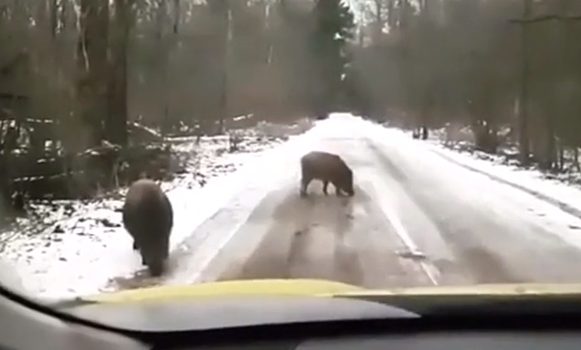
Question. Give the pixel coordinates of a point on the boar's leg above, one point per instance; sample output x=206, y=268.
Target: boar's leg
x=325, y=186
x=305, y=181
x=155, y=260
x=156, y=269
x=338, y=191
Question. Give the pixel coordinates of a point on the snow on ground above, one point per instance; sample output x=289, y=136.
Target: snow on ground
x=416, y=218
x=564, y=195
x=562, y=190
x=278, y=130
x=232, y=200
x=81, y=248
x=462, y=225
x=73, y=247
x=557, y=192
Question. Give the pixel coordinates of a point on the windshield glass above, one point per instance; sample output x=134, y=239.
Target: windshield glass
x=376, y=143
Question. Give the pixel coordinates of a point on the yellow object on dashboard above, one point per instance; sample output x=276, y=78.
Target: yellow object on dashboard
x=322, y=288
x=278, y=287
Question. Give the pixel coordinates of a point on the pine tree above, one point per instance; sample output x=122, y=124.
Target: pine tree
x=333, y=27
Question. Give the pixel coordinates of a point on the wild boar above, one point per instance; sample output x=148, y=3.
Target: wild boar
x=326, y=167
x=148, y=218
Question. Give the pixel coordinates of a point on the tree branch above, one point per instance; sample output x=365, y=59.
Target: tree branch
x=545, y=18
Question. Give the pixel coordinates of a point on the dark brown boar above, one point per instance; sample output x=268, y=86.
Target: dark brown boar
x=327, y=167
x=148, y=217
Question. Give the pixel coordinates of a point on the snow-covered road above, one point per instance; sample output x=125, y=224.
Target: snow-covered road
x=417, y=218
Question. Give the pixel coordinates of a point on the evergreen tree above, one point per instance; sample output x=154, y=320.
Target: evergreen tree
x=333, y=27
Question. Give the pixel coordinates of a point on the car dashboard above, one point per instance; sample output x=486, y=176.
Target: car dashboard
x=440, y=340
x=297, y=323
x=428, y=341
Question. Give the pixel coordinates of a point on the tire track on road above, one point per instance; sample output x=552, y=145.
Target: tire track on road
x=347, y=240
x=382, y=207
x=484, y=266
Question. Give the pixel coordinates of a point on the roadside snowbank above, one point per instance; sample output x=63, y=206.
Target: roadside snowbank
x=282, y=130
x=564, y=196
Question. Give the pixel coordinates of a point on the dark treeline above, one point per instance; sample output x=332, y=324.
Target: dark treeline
x=487, y=64
x=76, y=75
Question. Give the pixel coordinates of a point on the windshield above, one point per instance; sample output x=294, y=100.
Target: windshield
x=376, y=143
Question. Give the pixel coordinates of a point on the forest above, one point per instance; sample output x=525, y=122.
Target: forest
x=90, y=90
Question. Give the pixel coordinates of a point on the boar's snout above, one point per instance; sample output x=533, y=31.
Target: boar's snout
x=349, y=191
x=348, y=186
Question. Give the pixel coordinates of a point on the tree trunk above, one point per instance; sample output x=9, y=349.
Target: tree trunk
x=53, y=17
x=225, y=39
x=524, y=88
x=92, y=82
x=116, y=123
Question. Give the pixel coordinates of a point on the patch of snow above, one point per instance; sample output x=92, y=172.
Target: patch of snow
x=562, y=195
x=501, y=167
x=238, y=195
x=281, y=130
x=562, y=201
x=68, y=248
x=561, y=190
